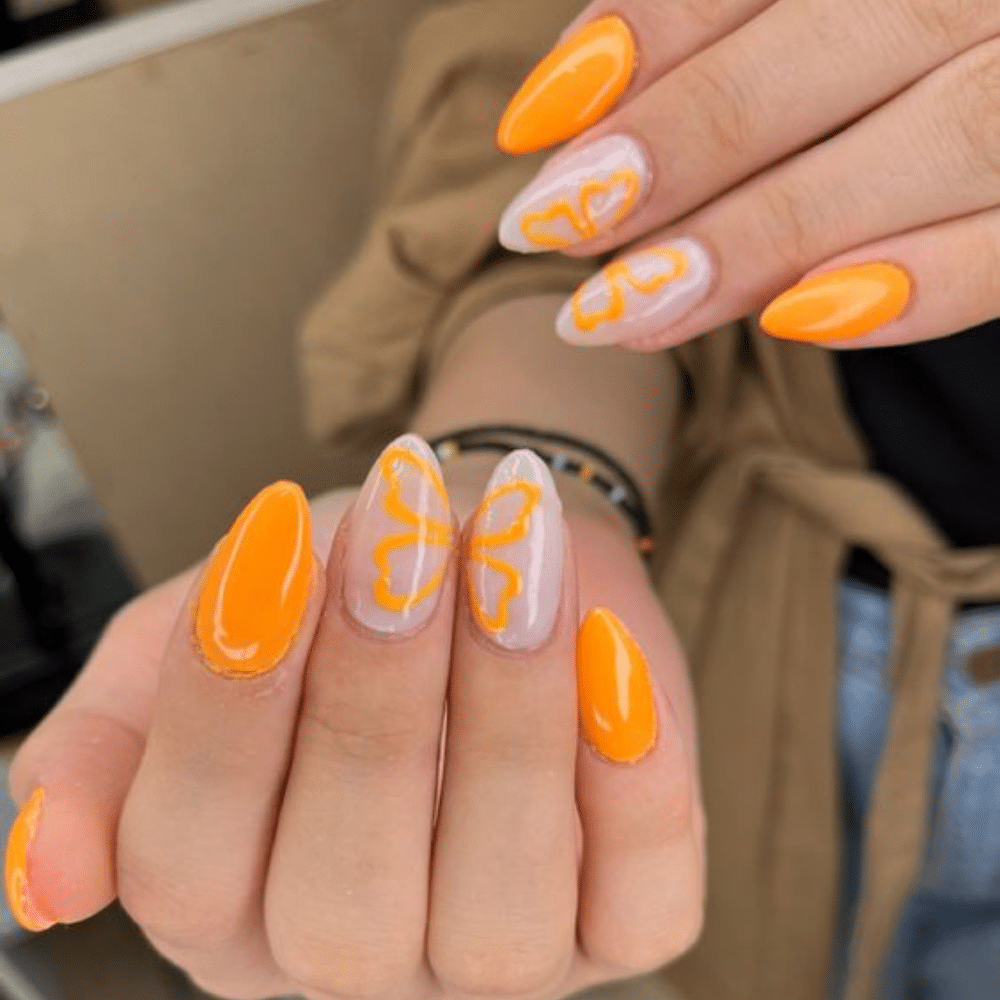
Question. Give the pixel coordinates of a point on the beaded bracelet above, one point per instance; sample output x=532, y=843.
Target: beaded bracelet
x=601, y=471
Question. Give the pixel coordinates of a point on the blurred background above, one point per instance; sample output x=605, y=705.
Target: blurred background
x=178, y=180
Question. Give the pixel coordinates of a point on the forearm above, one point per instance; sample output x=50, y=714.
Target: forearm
x=509, y=367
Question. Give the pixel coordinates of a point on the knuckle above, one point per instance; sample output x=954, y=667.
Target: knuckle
x=349, y=970
x=725, y=106
x=632, y=954
x=524, y=968
x=950, y=23
x=379, y=739
x=974, y=103
x=174, y=915
x=786, y=221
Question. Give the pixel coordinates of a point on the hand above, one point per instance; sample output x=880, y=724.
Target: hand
x=747, y=143
x=255, y=759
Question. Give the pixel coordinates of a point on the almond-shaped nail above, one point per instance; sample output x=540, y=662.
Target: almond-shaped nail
x=399, y=541
x=17, y=867
x=572, y=88
x=839, y=305
x=514, y=554
x=257, y=585
x=638, y=295
x=580, y=197
x=617, y=707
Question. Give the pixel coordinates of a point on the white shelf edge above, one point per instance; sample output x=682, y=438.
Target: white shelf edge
x=113, y=43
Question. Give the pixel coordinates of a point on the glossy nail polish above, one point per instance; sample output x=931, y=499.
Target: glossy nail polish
x=400, y=540
x=514, y=554
x=617, y=708
x=257, y=584
x=582, y=196
x=17, y=866
x=572, y=88
x=839, y=305
x=638, y=295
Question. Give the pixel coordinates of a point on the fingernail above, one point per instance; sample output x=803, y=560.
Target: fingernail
x=399, y=541
x=572, y=88
x=16, y=869
x=617, y=708
x=584, y=195
x=514, y=558
x=257, y=585
x=839, y=305
x=638, y=295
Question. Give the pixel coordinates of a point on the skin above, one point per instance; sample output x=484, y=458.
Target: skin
x=278, y=834
x=797, y=138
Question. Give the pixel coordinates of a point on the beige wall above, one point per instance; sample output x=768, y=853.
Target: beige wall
x=162, y=227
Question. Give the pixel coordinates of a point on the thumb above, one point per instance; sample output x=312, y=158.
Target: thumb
x=72, y=774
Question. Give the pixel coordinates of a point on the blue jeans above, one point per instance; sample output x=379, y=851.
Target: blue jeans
x=948, y=942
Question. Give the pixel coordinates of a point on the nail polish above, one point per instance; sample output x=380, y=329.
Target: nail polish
x=257, y=585
x=581, y=196
x=617, y=708
x=572, y=88
x=514, y=554
x=638, y=295
x=839, y=305
x=16, y=867
x=399, y=541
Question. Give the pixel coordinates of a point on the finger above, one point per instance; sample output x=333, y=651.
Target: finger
x=196, y=830
x=346, y=898
x=729, y=112
x=642, y=890
x=919, y=286
x=927, y=156
x=609, y=51
x=72, y=773
x=503, y=904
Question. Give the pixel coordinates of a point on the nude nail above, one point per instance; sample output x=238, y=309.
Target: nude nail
x=23, y=904
x=400, y=540
x=514, y=555
x=579, y=197
x=639, y=295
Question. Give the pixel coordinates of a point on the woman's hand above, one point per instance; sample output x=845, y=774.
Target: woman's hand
x=256, y=759
x=748, y=143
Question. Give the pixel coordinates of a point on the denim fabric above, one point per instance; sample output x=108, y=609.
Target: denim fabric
x=948, y=941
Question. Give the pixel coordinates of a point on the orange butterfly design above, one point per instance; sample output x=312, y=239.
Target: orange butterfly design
x=617, y=275
x=582, y=220
x=423, y=530
x=481, y=547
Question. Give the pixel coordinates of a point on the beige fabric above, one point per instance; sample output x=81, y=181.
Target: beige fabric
x=768, y=489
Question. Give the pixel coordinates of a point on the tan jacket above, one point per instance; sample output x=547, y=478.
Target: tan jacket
x=768, y=489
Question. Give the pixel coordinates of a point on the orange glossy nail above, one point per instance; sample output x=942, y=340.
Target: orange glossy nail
x=572, y=88
x=22, y=904
x=839, y=305
x=617, y=709
x=257, y=585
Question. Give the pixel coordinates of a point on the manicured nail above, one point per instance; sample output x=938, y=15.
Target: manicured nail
x=617, y=708
x=16, y=869
x=514, y=559
x=839, y=305
x=400, y=540
x=582, y=196
x=572, y=88
x=638, y=295
x=257, y=585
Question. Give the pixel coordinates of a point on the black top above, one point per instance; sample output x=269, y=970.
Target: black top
x=931, y=415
